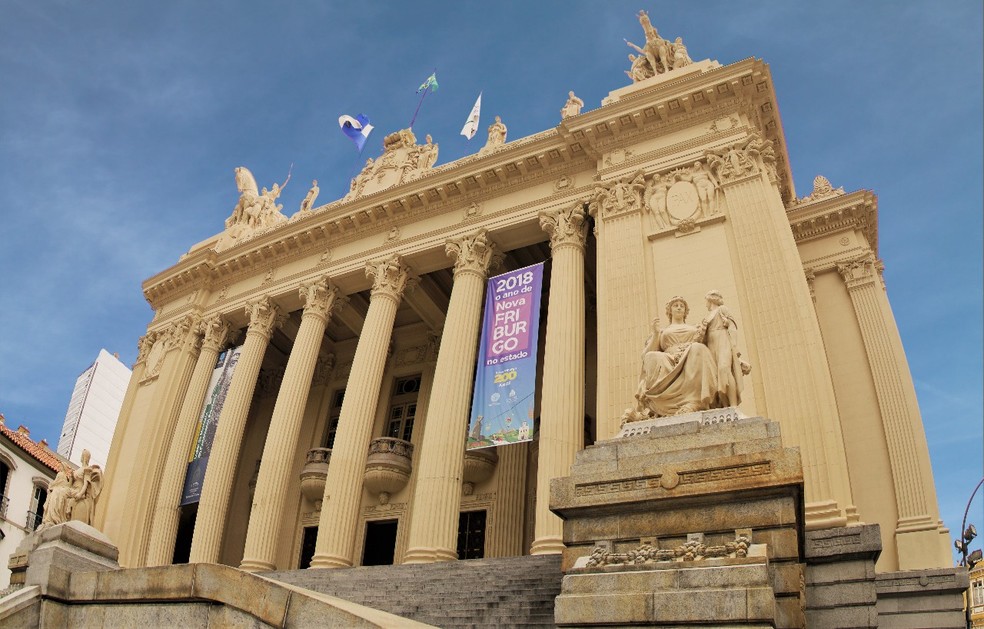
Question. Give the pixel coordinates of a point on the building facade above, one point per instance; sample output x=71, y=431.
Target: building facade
x=94, y=409
x=27, y=468
x=341, y=435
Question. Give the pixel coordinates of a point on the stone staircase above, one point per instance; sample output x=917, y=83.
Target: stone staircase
x=509, y=592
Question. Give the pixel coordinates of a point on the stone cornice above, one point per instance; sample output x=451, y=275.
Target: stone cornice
x=576, y=144
x=856, y=210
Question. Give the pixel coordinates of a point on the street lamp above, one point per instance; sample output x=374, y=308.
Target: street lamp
x=970, y=558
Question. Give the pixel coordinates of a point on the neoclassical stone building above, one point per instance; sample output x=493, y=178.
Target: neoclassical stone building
x=341, y=440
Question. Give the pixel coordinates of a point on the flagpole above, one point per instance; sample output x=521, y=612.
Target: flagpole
x=427, y=89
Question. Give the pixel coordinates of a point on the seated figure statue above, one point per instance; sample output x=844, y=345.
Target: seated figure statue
x=679, y=374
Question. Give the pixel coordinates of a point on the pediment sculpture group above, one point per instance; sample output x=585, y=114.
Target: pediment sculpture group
x=688, y=368
x=72, y=495
x=657, y=55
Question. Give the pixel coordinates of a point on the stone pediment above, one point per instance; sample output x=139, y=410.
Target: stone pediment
x=402, y=160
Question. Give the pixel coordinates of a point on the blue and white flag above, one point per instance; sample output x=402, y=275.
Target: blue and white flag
x=357, y=129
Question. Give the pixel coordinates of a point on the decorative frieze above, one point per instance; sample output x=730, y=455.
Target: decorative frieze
x=694, y=549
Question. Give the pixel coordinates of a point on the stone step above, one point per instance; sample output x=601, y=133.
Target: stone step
x=507, y=592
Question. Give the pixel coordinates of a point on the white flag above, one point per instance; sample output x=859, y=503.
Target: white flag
x=471, y=125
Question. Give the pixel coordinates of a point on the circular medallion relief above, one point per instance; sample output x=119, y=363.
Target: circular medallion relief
x=682, y=200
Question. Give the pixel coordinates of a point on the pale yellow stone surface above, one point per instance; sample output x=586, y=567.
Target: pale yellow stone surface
x=689, y=187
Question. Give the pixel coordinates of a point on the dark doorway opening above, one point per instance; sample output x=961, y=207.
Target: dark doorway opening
x=471, y=535
x=380, y=543
x=307, y=546
x=186, y=529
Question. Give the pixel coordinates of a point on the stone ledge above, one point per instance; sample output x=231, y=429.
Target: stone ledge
x=843, y=544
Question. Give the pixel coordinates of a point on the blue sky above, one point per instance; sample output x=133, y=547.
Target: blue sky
x=121, y=124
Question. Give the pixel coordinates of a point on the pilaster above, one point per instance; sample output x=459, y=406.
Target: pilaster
x=562, y=399
x=266, y=527
x=264, y=317
x=437, y=494
x=181, y=347
x=343, y=485
x=792, y=363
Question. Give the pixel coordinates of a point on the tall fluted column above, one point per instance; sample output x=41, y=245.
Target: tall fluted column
x=166, y=513
x=505, y=539
x=437, y=495
x=916, y=534
x=206, y=545
x=562, y=400
x=265, y=519
x=343, y=485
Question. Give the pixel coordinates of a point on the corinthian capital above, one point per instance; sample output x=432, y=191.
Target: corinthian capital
x=747, y=157
x=859, y=271
x=216, y=332
x=567, y=228
x=473, y=253
x=390, y=277
x=183, y=333
x=144, y=345
x=319, y=298
x=264, y=316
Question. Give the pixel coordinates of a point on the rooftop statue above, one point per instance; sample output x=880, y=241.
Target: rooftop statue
x=657, y=55
x=687, y=368
x=402, y=160
x=572, y=107
x=497, y=136
x=254, y=211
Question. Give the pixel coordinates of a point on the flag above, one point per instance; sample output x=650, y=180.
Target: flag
x=471, y=125
x=431, y=82
x=357, y=129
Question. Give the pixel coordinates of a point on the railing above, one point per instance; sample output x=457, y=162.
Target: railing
x=33, y=520
x=4, y=501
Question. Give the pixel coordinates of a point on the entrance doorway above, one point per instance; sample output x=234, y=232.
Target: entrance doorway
x=307, y=546
x=471, y=535
x=186, y=529
x=380, y=543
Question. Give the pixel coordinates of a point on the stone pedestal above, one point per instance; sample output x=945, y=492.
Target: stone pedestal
x=659, y=514
x=51, y=555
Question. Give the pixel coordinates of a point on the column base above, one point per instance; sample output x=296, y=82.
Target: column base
x=550, y=545
x=330, y=561
x=256, y=565
x=824, y=515
x=917, y=540
x=429, y=555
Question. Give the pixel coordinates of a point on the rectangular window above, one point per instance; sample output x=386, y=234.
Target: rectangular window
x=332, y=427
x=403, y=408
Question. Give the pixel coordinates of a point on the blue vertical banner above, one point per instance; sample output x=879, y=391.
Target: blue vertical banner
x=505, y=380
x=208, y=420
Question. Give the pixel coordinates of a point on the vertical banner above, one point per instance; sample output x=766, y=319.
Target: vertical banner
x=505, y=380
x=218, y=387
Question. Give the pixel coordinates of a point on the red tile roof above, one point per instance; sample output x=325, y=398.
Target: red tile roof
x=38, y=450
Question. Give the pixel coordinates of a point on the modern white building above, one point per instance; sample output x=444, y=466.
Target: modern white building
x=94, y=409
x=26, y=469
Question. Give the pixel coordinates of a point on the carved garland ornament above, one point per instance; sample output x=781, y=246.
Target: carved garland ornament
x=694, y=549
